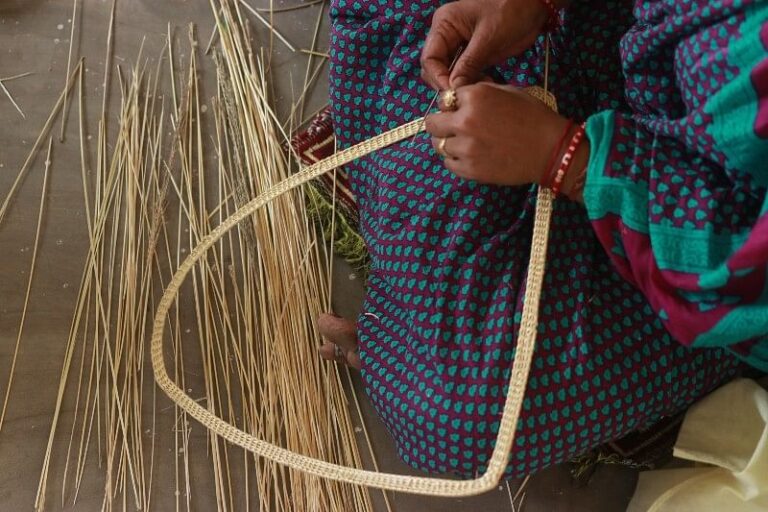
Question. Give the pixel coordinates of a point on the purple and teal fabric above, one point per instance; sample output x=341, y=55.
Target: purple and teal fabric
x=631, y=324
x=676, y=188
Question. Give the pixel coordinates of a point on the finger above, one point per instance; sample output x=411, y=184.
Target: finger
x=486, y=79
x=328, y=351
x=457, y=148
x=353, y=360
x=442, y=124
x=442, y=43
x=434, y=71
x=475, y=58
x=446, y=150
x=338, y=330
x=457, y=167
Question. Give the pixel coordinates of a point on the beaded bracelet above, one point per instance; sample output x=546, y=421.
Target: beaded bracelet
x=553, y=20
x=567, y=160
x=557, y=150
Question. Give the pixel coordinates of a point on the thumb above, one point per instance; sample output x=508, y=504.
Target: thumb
x=475, y=58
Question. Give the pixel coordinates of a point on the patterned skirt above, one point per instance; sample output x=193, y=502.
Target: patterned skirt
x=449, y=261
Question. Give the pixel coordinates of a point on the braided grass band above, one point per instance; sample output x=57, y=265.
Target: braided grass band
x=417, y=485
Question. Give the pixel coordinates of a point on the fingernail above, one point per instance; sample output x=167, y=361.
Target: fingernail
x=460, y=81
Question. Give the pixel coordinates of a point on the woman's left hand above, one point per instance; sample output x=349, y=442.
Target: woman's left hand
x=497, y=134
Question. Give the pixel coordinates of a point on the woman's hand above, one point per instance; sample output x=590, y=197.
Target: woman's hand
x=498, y=135
x=492, y=30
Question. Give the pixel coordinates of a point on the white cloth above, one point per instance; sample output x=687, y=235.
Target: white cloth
x=728, y=433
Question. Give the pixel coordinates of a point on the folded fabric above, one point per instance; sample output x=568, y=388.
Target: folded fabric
x=330, y=199
x=727, y=432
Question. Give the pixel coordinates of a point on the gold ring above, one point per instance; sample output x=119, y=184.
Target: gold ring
x=450, y=100
x=441, y=148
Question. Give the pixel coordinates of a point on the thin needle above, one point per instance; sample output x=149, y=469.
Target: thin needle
x=437, y=93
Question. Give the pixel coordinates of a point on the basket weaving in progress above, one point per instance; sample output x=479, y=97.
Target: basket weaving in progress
x=417, y=485
x=378, y=254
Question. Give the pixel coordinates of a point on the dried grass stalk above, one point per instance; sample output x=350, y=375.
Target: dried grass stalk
x=248, y=317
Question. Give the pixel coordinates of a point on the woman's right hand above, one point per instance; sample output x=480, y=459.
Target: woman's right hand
x=491, y=30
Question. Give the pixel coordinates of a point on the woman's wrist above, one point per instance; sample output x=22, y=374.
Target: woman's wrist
x=573, y=185
x=556, y=140
x=568, y=155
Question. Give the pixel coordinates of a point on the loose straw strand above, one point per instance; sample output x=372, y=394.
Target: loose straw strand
x=30, y=280
x=46, y=128
x=69, y=65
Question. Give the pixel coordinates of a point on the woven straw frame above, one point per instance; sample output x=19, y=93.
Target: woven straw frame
x=393, y=482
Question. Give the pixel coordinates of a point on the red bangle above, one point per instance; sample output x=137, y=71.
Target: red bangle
x=550, y=169
x=553, y=20
x=567, y=160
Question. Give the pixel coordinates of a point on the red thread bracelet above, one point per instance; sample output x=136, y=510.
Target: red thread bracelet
x=567, y=160
x=553, y=20
x=578, y=185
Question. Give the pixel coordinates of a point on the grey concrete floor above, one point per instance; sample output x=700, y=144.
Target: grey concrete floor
x=34, y=37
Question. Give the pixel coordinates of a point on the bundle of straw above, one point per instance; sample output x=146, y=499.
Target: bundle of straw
x=124, y=216
x=295, y=400
x=245, y=320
